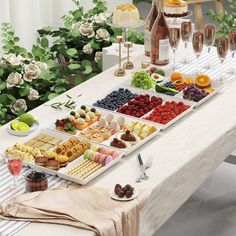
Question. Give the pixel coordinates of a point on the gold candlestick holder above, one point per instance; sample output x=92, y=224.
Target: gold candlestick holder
x=120, y=71
x=128, y=65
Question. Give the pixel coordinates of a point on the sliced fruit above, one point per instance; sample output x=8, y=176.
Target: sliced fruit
x=178, y=82
x=27, y=118
x=209, y=90
x=176, y=76
x=162, y=89
x=188, y=81
x=15, y=124
x=23, y=127
x=160, y=72
x=203, y=81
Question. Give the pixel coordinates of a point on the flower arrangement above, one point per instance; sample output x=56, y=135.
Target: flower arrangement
x=24, y=82
x=79, y=44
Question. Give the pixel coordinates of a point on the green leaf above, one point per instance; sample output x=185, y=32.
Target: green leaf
x=24, y=90
x=87, y=67
x=6, y=99
x=74, y=66
x=1, y=71
x=60, y=89
x=78, y=80
x=75, y=32
x=2, y=85
x=71, y=51
x=52, y=95
x=46, y=75
x=44, y=42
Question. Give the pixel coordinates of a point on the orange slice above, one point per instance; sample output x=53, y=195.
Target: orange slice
x=176, y=76
x=188, y=81
x=178, y=82
x=209, y=90
x=203, y=81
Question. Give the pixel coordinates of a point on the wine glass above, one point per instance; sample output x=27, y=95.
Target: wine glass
x=174, y=37
x=14, y=166
x=209, y=40
x=222, y=50
x=198, y=38
x=186, y=31
x=232, y=47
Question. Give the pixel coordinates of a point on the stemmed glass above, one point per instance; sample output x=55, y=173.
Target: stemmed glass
x=222, y=50
x=186, y=31
x=232, y=47
x=197, y=47
x=209, y=40
x=174, y=37
x=14, y=166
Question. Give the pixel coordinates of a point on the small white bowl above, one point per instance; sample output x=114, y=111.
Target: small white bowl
x=17, y=133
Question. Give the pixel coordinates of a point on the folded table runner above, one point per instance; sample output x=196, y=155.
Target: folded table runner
x=89, y=208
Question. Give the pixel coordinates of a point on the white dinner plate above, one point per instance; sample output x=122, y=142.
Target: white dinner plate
x=124, y=199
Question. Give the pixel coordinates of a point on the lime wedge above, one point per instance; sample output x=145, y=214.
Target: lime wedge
x=162, y=89
x=14, y=125
x=23, y=127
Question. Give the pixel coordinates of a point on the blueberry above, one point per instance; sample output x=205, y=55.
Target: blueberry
x=72, y=113
x=83, y=107
x=83, y=115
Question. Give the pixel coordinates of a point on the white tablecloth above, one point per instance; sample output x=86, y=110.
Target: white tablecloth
x=185, y=154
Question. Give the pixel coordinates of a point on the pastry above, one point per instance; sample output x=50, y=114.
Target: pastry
x=118, y=143
x=53, y=165
x=128, y=137
x=84, y=169
x=41, y=161
x=175, y=8
x=50, y=155
x=81, y=123
x=126, y=16
x=62, y=159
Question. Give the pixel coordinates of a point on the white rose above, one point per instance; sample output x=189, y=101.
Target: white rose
x=41, y=65
x=14, y=79
x=98, y=56
x=86, y=29
x=19, y=104
x=33, y=95
x=87, y=49
x=13, y=59
x=32, y=71
x=103, y=34
x=76, y=25
x=100, y=18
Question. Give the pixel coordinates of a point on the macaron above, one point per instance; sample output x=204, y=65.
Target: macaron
x=107, y=160
x=88, y=154
x=99, y=157
x=94, y=147
x=41, y=161
x=50, y=155
x=53, y=165
x=114, y=154
x=62, y=159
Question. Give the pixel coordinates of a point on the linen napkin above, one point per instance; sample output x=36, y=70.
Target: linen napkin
x=89, y=208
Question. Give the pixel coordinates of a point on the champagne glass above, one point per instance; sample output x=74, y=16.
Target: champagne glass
x=14, y=166
x=174, y=37
x=232, y=47
x=209, y=40
x=186, y=31
x=197, y=47
x=222, y=50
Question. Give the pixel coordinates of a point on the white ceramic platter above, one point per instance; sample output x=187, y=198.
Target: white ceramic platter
x=124, y=199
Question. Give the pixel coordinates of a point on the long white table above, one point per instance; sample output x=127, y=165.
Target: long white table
x=185, y=154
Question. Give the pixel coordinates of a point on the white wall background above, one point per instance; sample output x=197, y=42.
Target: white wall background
x=26, y=16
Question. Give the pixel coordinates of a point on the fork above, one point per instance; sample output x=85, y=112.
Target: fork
x=143, y=175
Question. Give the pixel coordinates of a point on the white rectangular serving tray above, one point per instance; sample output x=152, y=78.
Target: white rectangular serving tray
x=216, y=84
x=128, y=119
x=163, y=96
x=62, y=172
